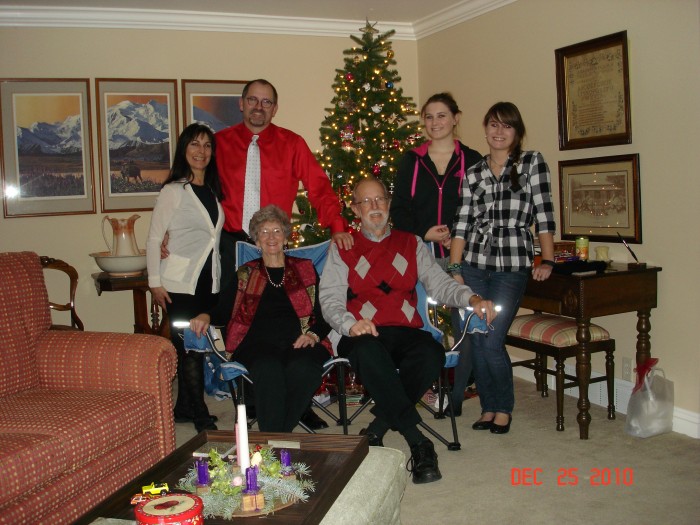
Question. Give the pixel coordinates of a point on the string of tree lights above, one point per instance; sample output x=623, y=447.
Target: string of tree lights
x=365, y=133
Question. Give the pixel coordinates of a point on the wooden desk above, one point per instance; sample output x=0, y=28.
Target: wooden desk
x=616, y=291
x=158, y=324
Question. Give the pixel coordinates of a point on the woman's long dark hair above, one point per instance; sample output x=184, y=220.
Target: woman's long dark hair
x=508, y=113
x=181, y=168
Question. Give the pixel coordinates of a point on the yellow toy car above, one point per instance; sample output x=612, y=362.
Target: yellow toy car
x=155, y=489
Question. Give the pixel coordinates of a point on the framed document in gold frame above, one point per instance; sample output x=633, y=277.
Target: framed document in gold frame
x=593, y=93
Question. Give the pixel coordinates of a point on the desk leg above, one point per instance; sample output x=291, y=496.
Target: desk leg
x=583, y=375
x=643, y=339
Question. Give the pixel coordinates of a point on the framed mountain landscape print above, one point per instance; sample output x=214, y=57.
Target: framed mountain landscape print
x=137, y=130
x=45, y=147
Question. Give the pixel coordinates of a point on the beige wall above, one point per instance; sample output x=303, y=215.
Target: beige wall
x=504, y=55
x=508, y=54
x=302, y=69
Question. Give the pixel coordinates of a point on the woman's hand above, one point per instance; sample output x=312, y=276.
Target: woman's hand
x=542, y=272
x=363, y=327
x=161, y=297
x=304, y=340
x=200, y=324
x=438, y=233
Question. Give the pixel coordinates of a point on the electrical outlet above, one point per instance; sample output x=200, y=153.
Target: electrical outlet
x=627, y=369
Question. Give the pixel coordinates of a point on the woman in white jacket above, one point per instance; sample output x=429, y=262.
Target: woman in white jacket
x=186, y=282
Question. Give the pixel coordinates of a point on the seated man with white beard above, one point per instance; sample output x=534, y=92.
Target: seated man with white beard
x=368, y=295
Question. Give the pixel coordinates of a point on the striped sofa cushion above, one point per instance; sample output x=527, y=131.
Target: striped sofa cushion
x=552, y=330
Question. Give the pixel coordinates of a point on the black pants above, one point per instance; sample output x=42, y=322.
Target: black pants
x=418, y=358
x=190, y=365
x=284, y=381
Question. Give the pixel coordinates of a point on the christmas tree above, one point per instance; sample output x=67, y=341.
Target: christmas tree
x=365, y=133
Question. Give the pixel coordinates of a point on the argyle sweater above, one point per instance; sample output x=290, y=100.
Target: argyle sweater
x=382, y=279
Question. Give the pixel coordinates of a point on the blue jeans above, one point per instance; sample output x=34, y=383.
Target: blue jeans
x=492, y=369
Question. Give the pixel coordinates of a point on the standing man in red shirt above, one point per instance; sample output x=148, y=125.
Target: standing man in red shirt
x=260, y=163
x=285, y=160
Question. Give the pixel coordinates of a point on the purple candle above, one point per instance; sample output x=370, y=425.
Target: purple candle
x=202, y=472
x=285, y=459
x=251, y=478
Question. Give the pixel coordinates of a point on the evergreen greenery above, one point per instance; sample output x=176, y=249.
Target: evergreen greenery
x=365, y=133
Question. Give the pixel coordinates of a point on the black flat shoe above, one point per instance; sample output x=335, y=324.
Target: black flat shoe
x=312, y=420
x=483, y=425
x=501, y=429
x=374, y=439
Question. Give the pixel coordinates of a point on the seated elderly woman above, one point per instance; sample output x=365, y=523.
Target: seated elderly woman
x=274, y=325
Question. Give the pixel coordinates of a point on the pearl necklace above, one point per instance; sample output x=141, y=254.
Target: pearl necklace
x=269, y=279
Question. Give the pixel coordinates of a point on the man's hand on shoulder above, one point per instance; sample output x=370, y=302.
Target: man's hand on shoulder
x=164, y=252
x=343, y=239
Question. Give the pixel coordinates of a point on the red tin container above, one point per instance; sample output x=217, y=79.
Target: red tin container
x=183, y=509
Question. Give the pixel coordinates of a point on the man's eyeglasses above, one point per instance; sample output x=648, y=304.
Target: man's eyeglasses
x=367, y=202
x=254, y=101
x=276, y=232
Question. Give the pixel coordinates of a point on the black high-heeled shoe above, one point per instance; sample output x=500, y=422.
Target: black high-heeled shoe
x=501, y=429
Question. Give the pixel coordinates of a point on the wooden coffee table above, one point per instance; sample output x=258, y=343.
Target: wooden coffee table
x=332, y=458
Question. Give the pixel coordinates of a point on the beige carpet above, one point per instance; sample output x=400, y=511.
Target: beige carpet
x=640, y=481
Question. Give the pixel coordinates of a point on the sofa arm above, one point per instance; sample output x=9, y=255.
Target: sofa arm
x=112, y=361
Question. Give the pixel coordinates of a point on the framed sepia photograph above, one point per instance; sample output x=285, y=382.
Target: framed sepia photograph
x=593, y=93
x=45, y=146
x=212, y=102
x=137, y=130
x=600, y=198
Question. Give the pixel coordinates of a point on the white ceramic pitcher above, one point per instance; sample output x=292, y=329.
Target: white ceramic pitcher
x=123, y=238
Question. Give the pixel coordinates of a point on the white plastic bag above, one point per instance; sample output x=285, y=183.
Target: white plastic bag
x=650, y=409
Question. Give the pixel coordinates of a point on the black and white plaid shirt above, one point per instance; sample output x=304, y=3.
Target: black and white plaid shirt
x=495, y=221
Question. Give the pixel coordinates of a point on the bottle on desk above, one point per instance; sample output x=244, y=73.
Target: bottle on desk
x=582, y=247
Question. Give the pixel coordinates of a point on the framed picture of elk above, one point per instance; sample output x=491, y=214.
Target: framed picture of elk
x=46, y=147
x=137, y=130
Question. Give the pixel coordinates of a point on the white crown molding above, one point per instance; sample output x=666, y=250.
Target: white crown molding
x=29, y=16
x=15, y=16
x=454, y=15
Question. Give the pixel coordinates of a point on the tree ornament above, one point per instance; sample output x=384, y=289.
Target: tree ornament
x=347, y=145
x=395, y=144
x=349, y=77
x=389, y=85
x=377, y=108
x=376, y=170
x=390, y=54
x=366, y=86
x=357, y=59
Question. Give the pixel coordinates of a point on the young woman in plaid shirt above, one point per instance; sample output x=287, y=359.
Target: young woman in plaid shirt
x=493, y=248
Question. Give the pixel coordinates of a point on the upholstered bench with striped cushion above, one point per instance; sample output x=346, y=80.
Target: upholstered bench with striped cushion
x=555, y=336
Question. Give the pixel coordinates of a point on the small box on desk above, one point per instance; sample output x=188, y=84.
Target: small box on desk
x=564, y=251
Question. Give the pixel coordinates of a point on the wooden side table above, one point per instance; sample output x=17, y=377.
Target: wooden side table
x=158, y=325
